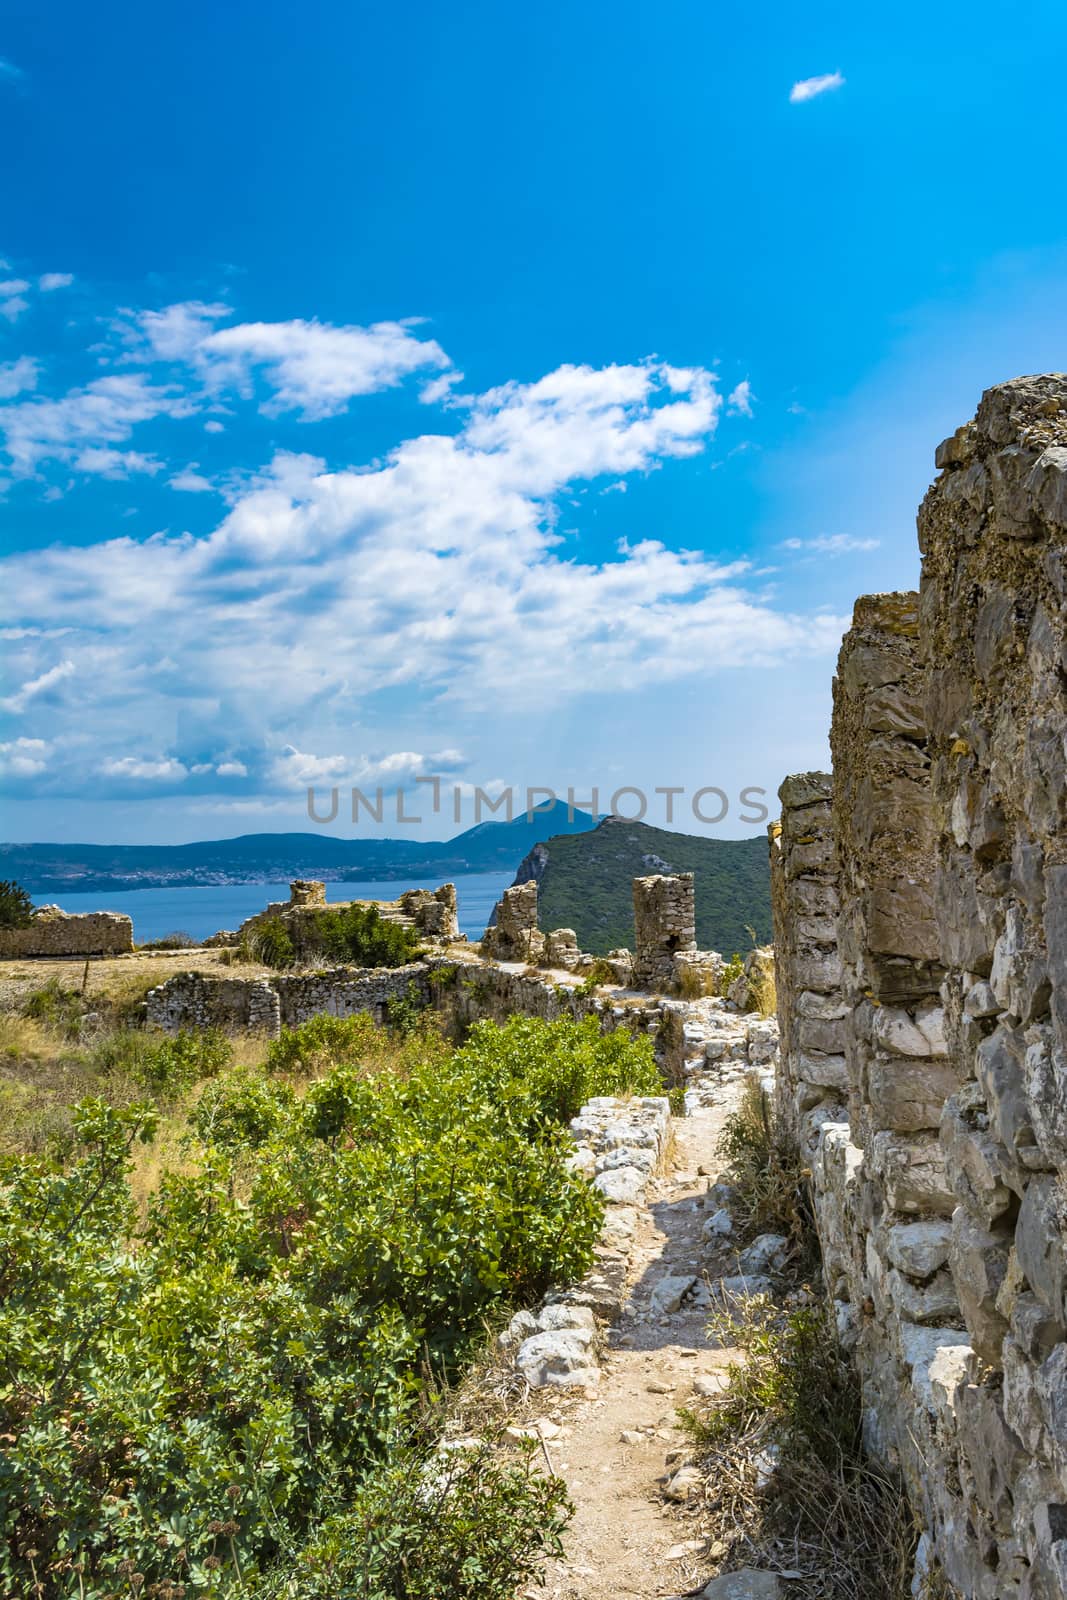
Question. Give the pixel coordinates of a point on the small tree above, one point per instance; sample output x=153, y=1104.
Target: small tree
x=16, y=907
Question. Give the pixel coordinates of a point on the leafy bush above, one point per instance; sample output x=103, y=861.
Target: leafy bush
x=462, y=1527
x=320, y=1043
x=734, y=969
x=361, y=935
x=270, y=944
x=219, y=1392
x=16, y=907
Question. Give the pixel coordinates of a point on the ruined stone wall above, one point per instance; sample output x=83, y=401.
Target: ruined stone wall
x=664, y=924
x=941, y=1192
x=810, y=1085
x=513, y=934
x=52, y=932
x=465, y=990
x=266, y=1005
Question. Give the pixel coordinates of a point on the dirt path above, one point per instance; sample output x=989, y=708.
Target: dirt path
x=614, y=1450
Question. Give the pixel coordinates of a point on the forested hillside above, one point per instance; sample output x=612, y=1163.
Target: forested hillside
x=584, y=883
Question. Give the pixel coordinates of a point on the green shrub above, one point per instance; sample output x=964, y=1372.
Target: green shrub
x=16, y=907
x=462, y=1527
x=733, y=969
x=174, y=1063
x=360, y=935
x=218, y=1394
x=320, y=1043
x=269, y=943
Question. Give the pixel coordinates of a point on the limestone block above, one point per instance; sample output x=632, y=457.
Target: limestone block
x=918, y=1248
x=1040, y=1236
x=912, y=1171
x=939, y=1362
x=978, y=1258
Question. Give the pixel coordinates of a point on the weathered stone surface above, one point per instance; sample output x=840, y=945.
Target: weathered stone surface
x=664, y=925
x=749, y=1584
x=52, y=932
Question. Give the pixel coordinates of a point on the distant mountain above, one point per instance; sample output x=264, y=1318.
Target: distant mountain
x=274, y=857
x=584, y=882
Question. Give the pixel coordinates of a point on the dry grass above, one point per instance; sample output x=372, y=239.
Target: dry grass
x=788, y=1484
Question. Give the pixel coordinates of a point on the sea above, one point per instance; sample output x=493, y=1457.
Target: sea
x=202, y=911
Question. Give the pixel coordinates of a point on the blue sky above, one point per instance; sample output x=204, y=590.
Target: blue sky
x=522, y=395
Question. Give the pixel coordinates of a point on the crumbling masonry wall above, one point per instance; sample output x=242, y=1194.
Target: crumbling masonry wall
x=810, y=1084
x=664, y=925
x=52, y=932
x=942, y=1193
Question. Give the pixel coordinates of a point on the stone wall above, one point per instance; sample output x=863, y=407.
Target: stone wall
x=664, y=924
x=513, y=934
x=941, y=1190
x=811, y=1085
x=464, y=989
x=432, y=913
x=52, y=932
x=266, y=1005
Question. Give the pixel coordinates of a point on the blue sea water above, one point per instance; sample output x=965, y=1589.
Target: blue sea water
x=201, y=912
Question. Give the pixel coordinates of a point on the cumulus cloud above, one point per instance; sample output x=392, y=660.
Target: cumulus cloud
x=190, y=481
x=104, y=462
x=137, y=769
x=16, y=377
x=314, y=368
x=24, y=758
x=34, y=687
x=13, y=300
x=832, y=544
x=49, y=281
x=739, y=400
x=232, y=769
x=809, y=88
x=440, y=568
x=103, y=413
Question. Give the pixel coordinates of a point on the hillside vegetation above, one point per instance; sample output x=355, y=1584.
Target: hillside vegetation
x=221, y=1372
x=584, y=883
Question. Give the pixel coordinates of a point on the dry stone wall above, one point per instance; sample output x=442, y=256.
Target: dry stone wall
x=664, y=925
x=811, y=1084
x=52, y=932
x=941, y=1175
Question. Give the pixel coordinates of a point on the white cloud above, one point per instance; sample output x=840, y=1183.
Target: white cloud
x=191, y=481
x=232, y=769
x=104, y=413
x=212, y=426
x=808, y=88
x=16, y=377
x=24, y=758
x=138, y=770
x=18, y=701
x=315, y=368
x=103, y=462
x=439, y=571
x=173, y=334
x=440, y=389
x=12, y=298
x=54, y=280
x=832, y=544
x=739, y=400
